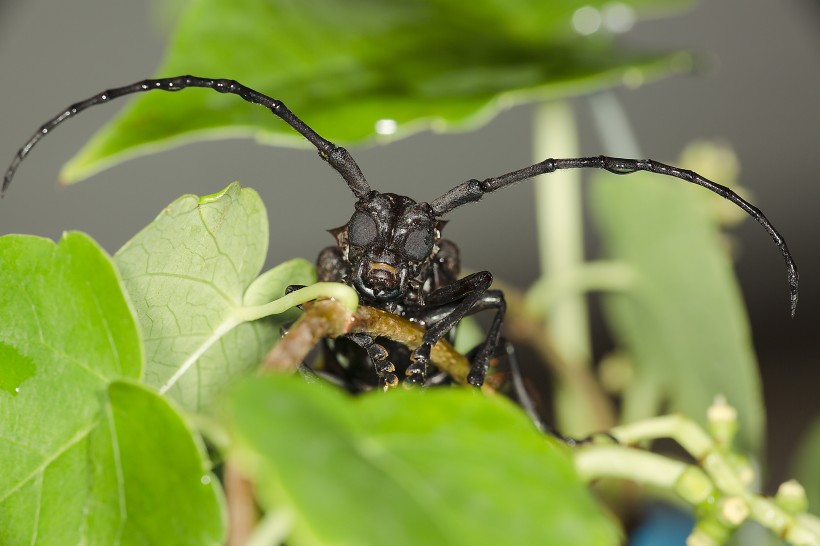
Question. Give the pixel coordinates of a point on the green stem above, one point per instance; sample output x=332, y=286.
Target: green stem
x=273, y=529
x=560, y=226
x=643, y=467
x=681, y=429
x=339, y=292
x=798, y=529
x=561, y=250
x=608, y=276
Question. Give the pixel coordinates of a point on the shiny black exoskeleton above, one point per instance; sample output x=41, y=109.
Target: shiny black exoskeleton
x=391, y=250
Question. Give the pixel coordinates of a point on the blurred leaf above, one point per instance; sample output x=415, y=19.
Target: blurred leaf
x=683, y=321
x=342, y=66
x=806, y=468
x=469, y=335
x=66, y=330
x=414, y=467
x=187, y=273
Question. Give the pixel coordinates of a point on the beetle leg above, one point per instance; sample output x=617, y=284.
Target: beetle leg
x=293, y=288
x=445, y=307
x=378, y=356
x=506, y=351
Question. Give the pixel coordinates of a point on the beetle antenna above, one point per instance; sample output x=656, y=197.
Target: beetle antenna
x=473, y=190
x=338, y=157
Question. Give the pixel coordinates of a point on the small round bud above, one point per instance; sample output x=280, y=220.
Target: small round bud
x=791, y=497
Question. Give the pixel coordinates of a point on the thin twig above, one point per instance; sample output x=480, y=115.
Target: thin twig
x=242, y=513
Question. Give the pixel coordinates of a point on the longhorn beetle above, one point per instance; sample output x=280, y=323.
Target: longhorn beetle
x=391, y=250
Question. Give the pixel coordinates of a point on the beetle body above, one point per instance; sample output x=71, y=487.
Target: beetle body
x=391, y=251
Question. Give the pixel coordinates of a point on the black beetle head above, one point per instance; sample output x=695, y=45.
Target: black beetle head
x=388, y=241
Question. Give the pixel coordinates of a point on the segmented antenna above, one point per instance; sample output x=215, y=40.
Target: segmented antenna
x=467, y=192
x=473, y=190
x=338, y=158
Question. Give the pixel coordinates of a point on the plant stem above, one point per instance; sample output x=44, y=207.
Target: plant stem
x=242, y=514
x=643, y=467
x=600, y=276
x=272, y=530
x=613, y=126
x=561, y=250
x=560, y=225
x=339, y=292
x=716, y=466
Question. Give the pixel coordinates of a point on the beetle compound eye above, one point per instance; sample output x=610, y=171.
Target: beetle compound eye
x=362, y=229
x=419, y=244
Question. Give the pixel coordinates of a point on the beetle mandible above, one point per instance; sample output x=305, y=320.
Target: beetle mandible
x=391, y=250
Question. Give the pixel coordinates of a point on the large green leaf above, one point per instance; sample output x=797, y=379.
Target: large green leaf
x=683, y=320
x=412, y=467
x=66, y=330
x=190, y=273
x=84, y=458
x=342, y=66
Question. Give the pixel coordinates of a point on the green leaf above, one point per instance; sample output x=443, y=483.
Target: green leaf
x=272, y=283
x=412, y=467
x=344, y=66
x=190, y=273
x=151, y=481
x=683, y=320
x=66, y=330
x=87, y=459
x=469, y=335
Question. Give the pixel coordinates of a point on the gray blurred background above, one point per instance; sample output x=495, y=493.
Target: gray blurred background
x=761, y=95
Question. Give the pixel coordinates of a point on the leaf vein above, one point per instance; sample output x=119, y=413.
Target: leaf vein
x=80, y=436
